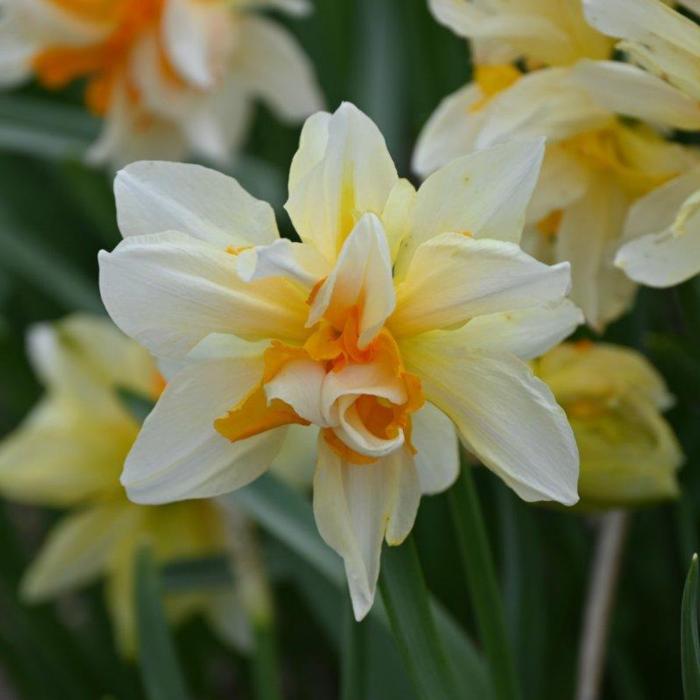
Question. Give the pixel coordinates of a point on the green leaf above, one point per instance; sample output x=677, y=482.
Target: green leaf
x=406, y=599
x=162, y=678
x=265, y=665
x=288, y=516
x=353, y=672
x=690, y=636
x=477, y=561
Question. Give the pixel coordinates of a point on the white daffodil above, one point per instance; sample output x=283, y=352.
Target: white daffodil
x=168, y=76
x=614, y=398
x=69, y=453
x=655, y=36
x=399, y=322
x=596, y=164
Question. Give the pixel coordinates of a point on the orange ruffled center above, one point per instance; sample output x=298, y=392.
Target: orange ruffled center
x=105, y=62
x=336, y=346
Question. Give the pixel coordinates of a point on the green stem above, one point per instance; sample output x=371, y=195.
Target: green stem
x=265, y=665
x=406, y=600
x=477, y=560
x=353, y=675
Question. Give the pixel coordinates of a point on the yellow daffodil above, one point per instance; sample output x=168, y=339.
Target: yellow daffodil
x=596, y=164
x=400, y=322
x=169, y=76
x=69, y=453
x=614, y=398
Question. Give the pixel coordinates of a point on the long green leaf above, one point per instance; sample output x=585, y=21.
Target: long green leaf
x=162, y=678
x=477, y=561
x=287, y=516
x=265, y=664
x=690, y=635
x=353, y=670
x=406, y=599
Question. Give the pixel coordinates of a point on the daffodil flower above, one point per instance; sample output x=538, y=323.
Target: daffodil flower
x=69, y=453
x=169, y=76
x=596, y=164
x=614, y=398
x=400, y=322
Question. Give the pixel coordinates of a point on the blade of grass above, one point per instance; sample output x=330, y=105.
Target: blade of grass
x=265, y=664
x=406, y=599
x=162, y=678
x=477, y=561
x=690, y=636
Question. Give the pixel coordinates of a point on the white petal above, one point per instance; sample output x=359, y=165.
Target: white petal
x=508, y=417
x=450, y=132
x=526, y=333
x=363, y=275
x=299, y=384
x=272, y=65
x=631, y=91
x=484, y=195
x=437, y=457
x=169, y=291
x=179, y=455
x=406, y=493
x=453, y=278
x=155, y=196
x=78, y=549
x=588, y=236
x=298, y=261
x=352, y=506
x=341, y=171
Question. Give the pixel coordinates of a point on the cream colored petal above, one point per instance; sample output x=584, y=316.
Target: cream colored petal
x=169, y=291
x=16, y=50
x=300, y=262
x=508, y=417
x=299, y=8
x=62, y=455
x=353, y=507
x=545, y=103
x=299, y=384
x=437, y=449
x=632, y=92
x=588, y=237
x=450, y=132
x=453, y=278
x=526, y=333
x=272, y=65
x=361, y=277
x=155, y=196
x=398, y=214
x=179, y=455
x=484, y=195
x=401, y=468
x=341, y=171
x=78, y=550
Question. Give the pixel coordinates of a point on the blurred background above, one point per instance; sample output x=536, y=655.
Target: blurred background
x=395, y=62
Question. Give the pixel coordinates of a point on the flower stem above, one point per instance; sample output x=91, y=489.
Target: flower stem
x=601, y=594
x=477, y=560
x=353, y=675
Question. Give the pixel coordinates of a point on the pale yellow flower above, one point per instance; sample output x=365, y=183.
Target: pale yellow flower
x=169, y=76
x=69, y=453
x=596, y=164
x=613, y=398
x=401, y=316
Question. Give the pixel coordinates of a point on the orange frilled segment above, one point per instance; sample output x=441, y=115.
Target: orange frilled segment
x=103, y=62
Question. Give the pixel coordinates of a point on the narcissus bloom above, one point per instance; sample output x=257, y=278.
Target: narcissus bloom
x=169, y=76
x=401, y=316
x=614, y=398
x=596, y=163
x=69, y=453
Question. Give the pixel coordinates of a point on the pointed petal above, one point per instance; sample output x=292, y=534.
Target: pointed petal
x=508, y=417
x=78, y=549
x=453, y=278
x=169, y=291
x=341, y=171
x=179, y=455
x=406, y=491
x=362, y=276
x=437, y=457
x=156, y=196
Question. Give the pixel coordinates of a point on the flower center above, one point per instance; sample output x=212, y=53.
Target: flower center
x=492, y=80
x=104, y=62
